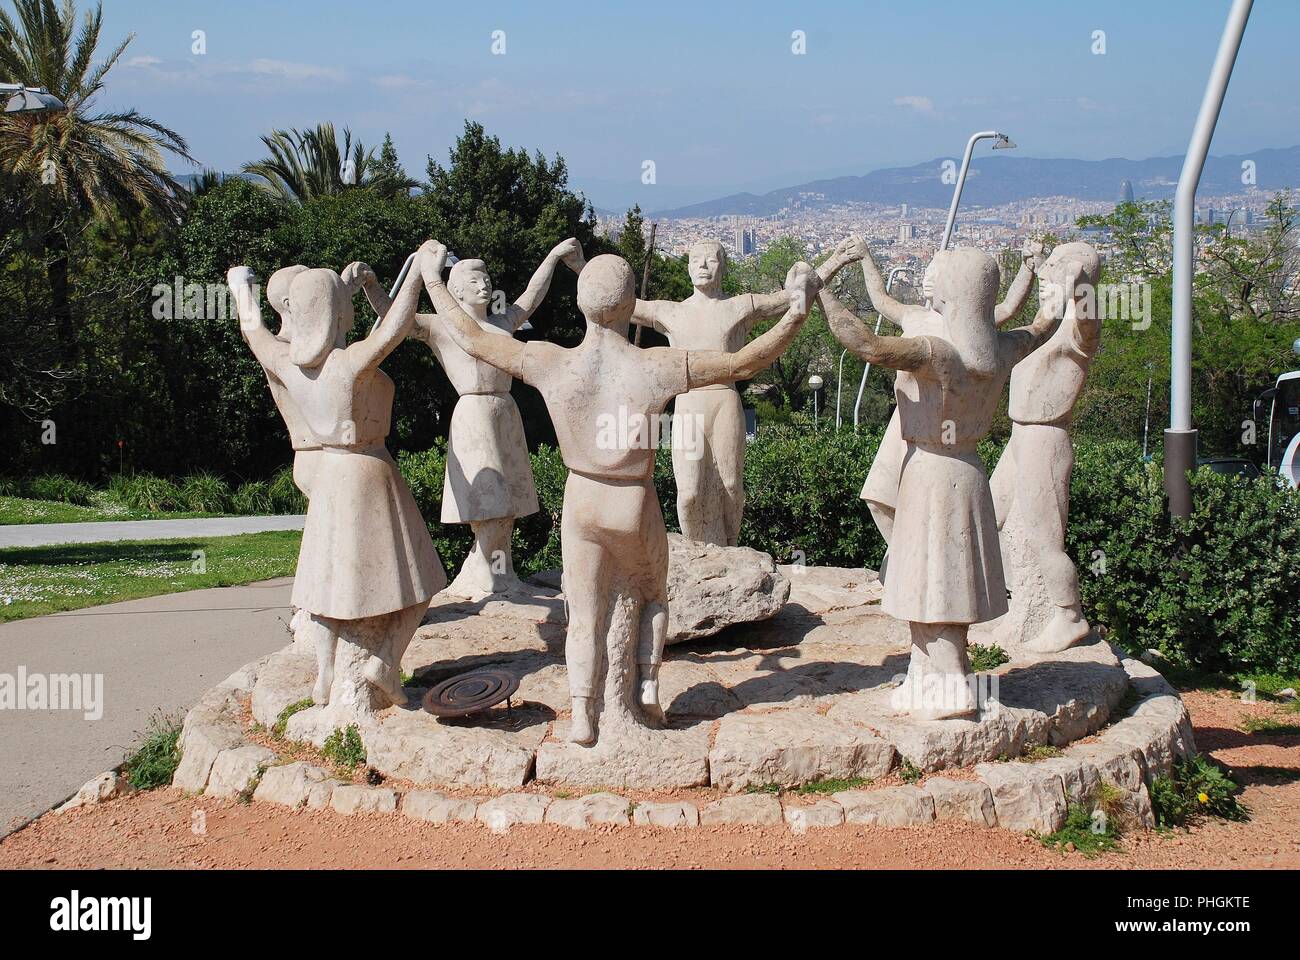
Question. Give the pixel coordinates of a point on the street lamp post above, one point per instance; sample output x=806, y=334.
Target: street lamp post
x=1003, y=142
x=862, y=384
x=23, y=99
x=815, y=382
x=1180, y=438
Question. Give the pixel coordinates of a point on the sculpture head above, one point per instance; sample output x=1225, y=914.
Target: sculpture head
x=607, y=291
x=1064, y=261
x=323, y=314
x=966, y=284
x=469, y=283
x=705, y=263
x=927, y=279
x=277, y=294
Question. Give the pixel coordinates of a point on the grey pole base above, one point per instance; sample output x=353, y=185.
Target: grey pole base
x=1180, y=458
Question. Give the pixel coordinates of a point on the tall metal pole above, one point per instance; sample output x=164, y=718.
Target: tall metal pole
x=1180, y=438
x=961, y=178
x=862, y=385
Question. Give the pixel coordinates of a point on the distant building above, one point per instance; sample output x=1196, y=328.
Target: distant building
x=1125, y=192
x=906, y=232
x=746, y=241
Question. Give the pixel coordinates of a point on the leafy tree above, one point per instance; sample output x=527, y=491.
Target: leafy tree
x=814, y=349
x=305, y=164
x=76, y=163
x=1245, y=315
x=387, y=176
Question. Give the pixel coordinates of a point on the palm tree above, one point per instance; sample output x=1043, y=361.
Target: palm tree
x=310, y=163
x=76, y=163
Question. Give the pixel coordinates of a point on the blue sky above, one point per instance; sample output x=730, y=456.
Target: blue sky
x=710, y=91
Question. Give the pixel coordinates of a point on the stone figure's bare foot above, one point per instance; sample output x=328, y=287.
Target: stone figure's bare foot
x=650, y=701
x=581, y=728
x=386, y=680
x=1066, y=628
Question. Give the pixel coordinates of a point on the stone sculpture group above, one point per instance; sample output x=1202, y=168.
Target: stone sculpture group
x=368, y=569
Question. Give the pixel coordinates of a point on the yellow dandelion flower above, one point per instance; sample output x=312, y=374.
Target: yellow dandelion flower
x=1203, y=797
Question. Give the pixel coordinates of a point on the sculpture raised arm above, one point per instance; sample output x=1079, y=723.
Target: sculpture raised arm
x=568, y=252
x=897, y=353
x=896, y=312
x=1031, y=260
x=504, y=353
x=396, y=322
x=270, y=352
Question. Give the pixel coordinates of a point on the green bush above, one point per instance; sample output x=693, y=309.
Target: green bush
x=145, y=492
x=344, y=747
x=802, y=497
x=1215, y=591
x=56, y=486
x=252, y=499
x=203, y=493
x=284, y=494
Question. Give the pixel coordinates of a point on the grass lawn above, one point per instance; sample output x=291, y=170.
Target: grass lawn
x=19, y=510
x=40, y=580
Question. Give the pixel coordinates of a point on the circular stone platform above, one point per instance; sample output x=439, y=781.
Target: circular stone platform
x=802, y=697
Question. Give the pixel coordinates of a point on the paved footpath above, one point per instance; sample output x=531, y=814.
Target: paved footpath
x=47, y=534
x=159, y=653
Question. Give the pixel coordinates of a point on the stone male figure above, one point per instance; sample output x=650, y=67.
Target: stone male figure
x=710, y=475
x=489, y=478
x=614, y=543
x=1031, y=483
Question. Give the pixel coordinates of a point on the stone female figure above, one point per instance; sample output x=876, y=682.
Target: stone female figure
x=367, y=567
x=945, y=569
x=881, y=488
x=488, y=481
x=605, y=397
x=1031, y=484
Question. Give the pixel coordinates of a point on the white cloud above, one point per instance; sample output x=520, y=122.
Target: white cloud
x=142, y=61
x=293, y=71
x=917, y=103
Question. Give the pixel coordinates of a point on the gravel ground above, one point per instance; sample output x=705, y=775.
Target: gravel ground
x=155, y=830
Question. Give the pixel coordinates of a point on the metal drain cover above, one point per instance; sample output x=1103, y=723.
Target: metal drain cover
x=469, y=693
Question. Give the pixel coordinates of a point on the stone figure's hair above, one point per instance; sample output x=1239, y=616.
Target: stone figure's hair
x=457, y=275
x=322, y=315
x=1081, y=253
x=607, y=290
x=277, y=288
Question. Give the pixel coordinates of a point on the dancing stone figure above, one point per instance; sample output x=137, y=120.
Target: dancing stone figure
x=367, y=567
x=945, y=569
x=881, y=488
x=488, y=480
x=605, y=397
x=709, y=422
x=1031, y=484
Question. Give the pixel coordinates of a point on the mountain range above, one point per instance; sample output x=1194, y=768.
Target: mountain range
x=1003, y=178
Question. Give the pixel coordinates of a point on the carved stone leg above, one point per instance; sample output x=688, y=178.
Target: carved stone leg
x=489, y=568
x=941, y=676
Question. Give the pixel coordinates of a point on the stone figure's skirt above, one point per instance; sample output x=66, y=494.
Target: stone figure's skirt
x=945, y=565
x=882, y=478
x=365, y=548
x=489, y=475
